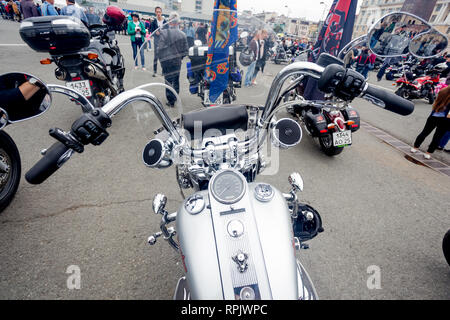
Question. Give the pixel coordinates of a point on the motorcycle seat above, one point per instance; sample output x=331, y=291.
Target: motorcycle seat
x=222, y=118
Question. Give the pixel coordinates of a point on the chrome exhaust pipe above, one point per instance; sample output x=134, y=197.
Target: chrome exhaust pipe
x=94, y=72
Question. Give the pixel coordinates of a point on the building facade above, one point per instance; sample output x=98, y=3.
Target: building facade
x=198, y=6
x=372, y=10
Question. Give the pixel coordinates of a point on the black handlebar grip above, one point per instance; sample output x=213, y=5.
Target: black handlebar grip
x=49, y=163
x=392, y=102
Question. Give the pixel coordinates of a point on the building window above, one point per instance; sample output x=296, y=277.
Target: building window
x=198, y=5
x=433, y=18
x=438, y=7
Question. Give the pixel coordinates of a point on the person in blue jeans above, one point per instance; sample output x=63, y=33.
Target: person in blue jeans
x=48, y=8
x=254, y=48
x=136, y=29
x=444, y=142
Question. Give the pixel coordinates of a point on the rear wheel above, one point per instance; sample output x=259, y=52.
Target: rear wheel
x=326, y=144
x=10, y=176
x=403, y=92
x=446, y=246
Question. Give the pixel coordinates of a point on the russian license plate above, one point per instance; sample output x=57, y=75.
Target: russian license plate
x=341, y=139
x=82, y=87
x=206, y=100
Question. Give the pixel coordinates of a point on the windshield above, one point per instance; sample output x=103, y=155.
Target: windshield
x=237, y=66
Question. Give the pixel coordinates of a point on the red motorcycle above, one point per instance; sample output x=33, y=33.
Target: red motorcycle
x=419, y=88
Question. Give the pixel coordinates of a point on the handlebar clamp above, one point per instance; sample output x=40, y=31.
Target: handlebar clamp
x=90, y=128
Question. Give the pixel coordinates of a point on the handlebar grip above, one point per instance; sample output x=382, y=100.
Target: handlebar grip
x=48, y=165
x=392, y=102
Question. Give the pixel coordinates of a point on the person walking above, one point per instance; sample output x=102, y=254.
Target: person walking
x=136, y=29
x=439, y=119
x=74, y=11
x=190, y=34
x=29, y=9
x=261, y=58
x=172, y=48
x=155, y=29
x=201, y=33
x=362, y=61
x=48, y=8
x=254, y=48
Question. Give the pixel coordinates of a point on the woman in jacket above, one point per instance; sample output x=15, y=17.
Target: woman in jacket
x=254, y=48
x=136, y=29
x=439, y=119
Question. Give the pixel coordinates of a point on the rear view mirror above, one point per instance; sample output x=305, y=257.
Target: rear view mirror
x=392, y=34
x=23, y=96
x=428, y=45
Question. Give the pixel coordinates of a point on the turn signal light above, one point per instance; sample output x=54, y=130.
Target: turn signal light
x=331, y=126
x=350, y=122
x=92, y=56
x=46, y=61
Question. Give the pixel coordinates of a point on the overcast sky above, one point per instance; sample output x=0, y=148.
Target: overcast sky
x=309, y=9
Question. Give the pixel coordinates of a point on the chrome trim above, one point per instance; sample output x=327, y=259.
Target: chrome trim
x=86, y=105
x=125, y=98
x=302, y=68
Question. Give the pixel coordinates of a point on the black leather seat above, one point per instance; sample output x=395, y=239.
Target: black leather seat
x=222, y=118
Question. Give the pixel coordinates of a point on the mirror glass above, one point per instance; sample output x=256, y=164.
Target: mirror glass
x=428, y=44
x=391, y=35
x=23, y=96
x=3, y=118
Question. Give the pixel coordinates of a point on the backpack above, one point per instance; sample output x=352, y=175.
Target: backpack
x=363, y=57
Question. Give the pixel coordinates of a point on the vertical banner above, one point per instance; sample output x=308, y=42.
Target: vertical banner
x=224, y=32
x=336, y=32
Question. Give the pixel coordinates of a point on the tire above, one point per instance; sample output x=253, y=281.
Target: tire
x=326, y=144
x=446, y=247
x=9, y=182
x=430, y=97
x=403, y=92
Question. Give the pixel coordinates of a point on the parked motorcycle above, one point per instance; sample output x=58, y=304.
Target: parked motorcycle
x=199, y=84
x=410, y=87
x=281, y=55
x=88, y=59
x=333, y=121
x=23, y=97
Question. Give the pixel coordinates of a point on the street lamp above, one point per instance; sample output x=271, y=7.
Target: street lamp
x=324, y=8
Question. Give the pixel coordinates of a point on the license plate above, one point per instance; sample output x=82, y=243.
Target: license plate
x=82, y=87
x=341, y=139
x=206, y=100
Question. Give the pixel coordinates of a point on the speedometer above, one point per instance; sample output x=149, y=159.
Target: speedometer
x=228, y=187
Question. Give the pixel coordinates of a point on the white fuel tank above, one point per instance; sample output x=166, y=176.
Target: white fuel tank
x=237, y=241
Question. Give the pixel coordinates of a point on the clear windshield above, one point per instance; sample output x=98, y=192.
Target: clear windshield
x=236, y=66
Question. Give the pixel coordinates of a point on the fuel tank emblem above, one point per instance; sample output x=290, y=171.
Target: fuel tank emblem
x=235, y=228
x=264, y=192
x=247, y=293
x=241, y=260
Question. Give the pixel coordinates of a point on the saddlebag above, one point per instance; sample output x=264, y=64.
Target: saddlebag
x=353, y=115
x=316, y=124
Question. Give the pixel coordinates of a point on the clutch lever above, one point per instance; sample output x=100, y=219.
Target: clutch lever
x=66, y=139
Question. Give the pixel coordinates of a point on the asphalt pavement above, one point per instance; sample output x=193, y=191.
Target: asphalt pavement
x=378, y=209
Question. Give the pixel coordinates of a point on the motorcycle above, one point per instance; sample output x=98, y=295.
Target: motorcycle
x=281, y=55
x=198, y=84
x=15, y=109
x=88, y=59
x=410, y=87
x=224, y=229
x=332, y=121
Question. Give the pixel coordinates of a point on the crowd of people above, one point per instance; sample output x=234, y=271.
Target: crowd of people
x=23, y=9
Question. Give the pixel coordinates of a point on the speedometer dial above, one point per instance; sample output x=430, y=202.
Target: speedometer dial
x=228, y=187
